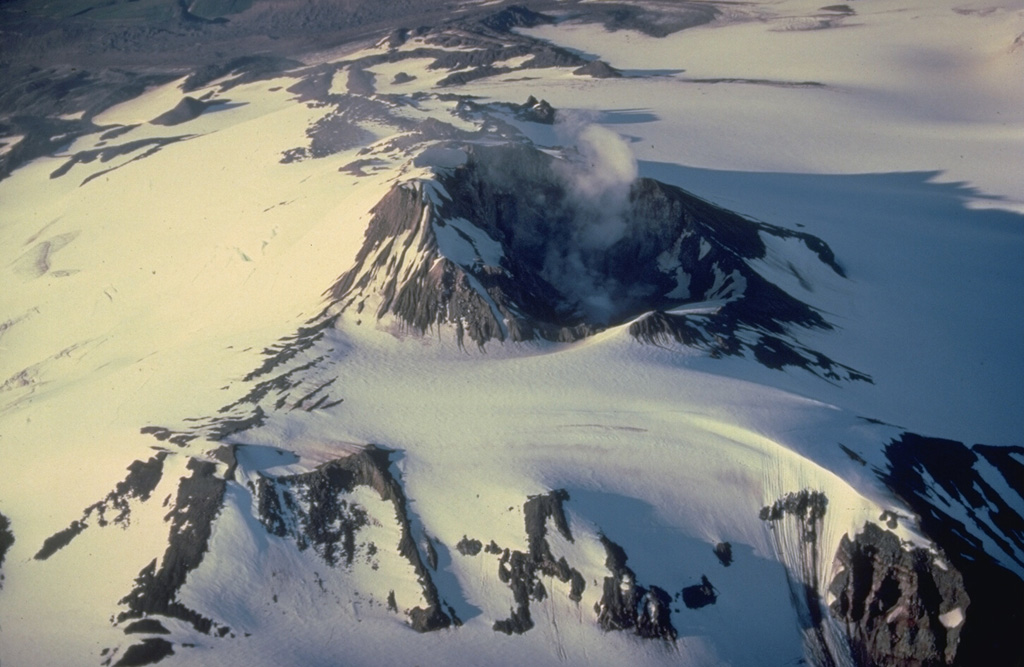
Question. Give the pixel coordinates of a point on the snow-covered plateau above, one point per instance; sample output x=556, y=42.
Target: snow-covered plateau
x=584, y=333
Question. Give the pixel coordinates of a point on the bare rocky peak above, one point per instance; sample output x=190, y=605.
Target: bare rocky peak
x=515, y=244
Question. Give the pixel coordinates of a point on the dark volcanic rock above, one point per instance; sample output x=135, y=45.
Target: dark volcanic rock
x=149, y=652
x=515, y=16
x=165, y=434
x=625, y=605
x=429, y=619
x=40, y=136
x=359, y=167
x=245, y=69
x=59, y=540
x=426, y=293
x=468, y=547
x=535, y=111
x=464, y=77
x=431, y=551
x=807, y=506
x=899, y=606
x=598, y=69
x=806, y=509
x=44, y=94
x=699, y=595
x=360, y=82
x=146, y=626
x=142, y=479
x=520, y=570
x=6, y=542
x=723, y=551
x=330, y=523
x=397, y=37
x=151, y=146
x=308, y=508
x=315, y=84
x=199, y=500
x=187, y=109
x=651, y=19
x=340, y=129
x=951, y=487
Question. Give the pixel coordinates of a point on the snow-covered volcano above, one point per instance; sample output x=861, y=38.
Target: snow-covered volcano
x=580, y=333
x=514, y=244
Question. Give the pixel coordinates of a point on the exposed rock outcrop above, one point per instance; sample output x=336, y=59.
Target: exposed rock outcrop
x=189, y=108
x=361, y=82
x=968, y=500
x=700, y=595
x=598, y=69
x=310, y=509
x=138, y=484
x=515, y=16
x=151, y=145
x=198, y=502
x=626, y=605
x=468, y=547
x=147, y=652
x=723, y=552
x=521, y=570
x=146, y=626
x=899, y=606
x=535, y=111
x=6, y=542
x=243, y=69
x=807, y=508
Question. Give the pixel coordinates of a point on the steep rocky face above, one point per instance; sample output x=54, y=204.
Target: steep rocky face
x=601, y=259
x=897, y=605
x=400, y=270
x=900, y=607
x=969, y=500
x=803, y=511
x=514, y=244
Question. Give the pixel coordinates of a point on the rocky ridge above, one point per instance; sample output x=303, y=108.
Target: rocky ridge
x=503, y=248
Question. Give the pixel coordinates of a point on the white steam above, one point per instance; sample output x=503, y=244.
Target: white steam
x=598, y=182
x=598, y=179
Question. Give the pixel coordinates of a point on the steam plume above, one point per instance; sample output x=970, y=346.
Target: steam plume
x=598, y=179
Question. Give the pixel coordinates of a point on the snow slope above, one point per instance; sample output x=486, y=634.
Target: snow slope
x=142, y=285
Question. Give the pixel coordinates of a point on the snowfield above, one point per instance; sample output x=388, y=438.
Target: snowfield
x=153, y=276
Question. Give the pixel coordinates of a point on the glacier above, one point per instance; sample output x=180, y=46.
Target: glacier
x=582, y=332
